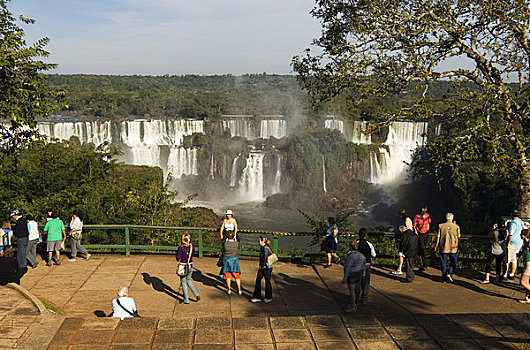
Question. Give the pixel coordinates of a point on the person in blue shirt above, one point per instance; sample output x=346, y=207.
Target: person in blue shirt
x=331, y=242
x=514, y=242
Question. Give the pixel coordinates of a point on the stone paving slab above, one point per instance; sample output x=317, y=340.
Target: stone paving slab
x=306, y=312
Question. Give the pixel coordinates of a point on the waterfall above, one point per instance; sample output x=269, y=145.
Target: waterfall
x=276, y=128
x=276, y=186
x=233, y=173
x=324, y=174
x=86, y=132
x=182, y=161
x=211, y=168
x=358, y=134
x=251, y=183
x=335, y=124
x=239, y=127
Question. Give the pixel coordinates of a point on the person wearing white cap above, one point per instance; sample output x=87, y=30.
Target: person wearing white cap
x=229, y=223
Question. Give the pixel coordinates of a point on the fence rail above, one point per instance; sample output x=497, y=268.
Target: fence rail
x=200, y=247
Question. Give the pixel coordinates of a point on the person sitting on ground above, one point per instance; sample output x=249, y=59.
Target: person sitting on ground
x=229, y=224
x=409, y=247
x=123, y=306
x=353, y=270
x=525, y=277
x=56, y=235
x=367, y=249
x=7, y=235
x=331, y=242
x=9, y=270
x=447, y=240
x=230, y=266
x=496, y=252
x=407, y=222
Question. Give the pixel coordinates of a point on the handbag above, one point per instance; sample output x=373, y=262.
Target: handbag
x=134, y=313
x=76, y=234
x=272, y=258
x=184, y=270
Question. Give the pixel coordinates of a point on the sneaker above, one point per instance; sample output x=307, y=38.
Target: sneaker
x=48, y=263
x=73, y=259
x=229, y=291
x=57, y=262
x=255, y=300
x=422, y=268
x=34, y=265
x=266, y=301
x=240, y=292
x=485, y=282
x=525, y=301
x=450, y=278
x=88, y=255
x=397, y=272
x=198, y=298
x=351, y=309
x=511, y=277
x=326, y=266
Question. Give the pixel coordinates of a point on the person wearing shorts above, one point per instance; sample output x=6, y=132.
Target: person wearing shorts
x=514, y=243
x=56, y=235
x=353, y=270
x=525, y=277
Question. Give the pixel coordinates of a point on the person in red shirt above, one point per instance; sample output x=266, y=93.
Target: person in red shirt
x=422, y=224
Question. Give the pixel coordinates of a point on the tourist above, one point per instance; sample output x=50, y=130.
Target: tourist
x=409, y=247
x=421, y=225
x=76, y=228
x=353, y=270
x=20, y=231
x=513, y=244
x=33, y=240
x=7, y=235
x=229, y=224
x=331, y=242
x=264, y=271
x=56, y=235
x=447, y=241
x=407, y=222
x=123, y=306
x=525, y=277
x=230, y=266
x=496, y=252
x=367, y=249
x=184, y=257
x=9, y=270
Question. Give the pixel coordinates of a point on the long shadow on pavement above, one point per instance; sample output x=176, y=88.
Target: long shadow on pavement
x=160, y=286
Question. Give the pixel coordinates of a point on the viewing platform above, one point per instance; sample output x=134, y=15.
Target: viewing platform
x=307, y=311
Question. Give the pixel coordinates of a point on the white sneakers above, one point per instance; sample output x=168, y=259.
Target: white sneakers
x=72, y=260
x=255, y=300
x=525, y=301
x=266, y=301
x=397, y=272
x=88, y=255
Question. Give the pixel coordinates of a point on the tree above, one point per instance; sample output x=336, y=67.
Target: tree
x=386, y=47
x=24, y=93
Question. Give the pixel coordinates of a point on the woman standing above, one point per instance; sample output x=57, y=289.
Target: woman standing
x=265, y=270
x=497, y=251
x=185, y=257
x=331, y=241
x=231, y=262
x=33, y=240
x=353, y=270
x=7, y=234
x=525, y=277
x=229, y=224
x=76, y=227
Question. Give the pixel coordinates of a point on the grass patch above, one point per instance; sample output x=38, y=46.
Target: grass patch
x=52, y=307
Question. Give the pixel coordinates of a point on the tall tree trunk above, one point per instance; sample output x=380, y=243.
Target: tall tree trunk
x=524, y=206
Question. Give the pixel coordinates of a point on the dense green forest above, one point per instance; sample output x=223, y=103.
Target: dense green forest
x=208, y=97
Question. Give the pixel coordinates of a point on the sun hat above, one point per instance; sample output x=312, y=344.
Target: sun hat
x=15, y=212
x=229, y=212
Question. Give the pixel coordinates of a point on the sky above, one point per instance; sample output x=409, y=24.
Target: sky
x=157, y=37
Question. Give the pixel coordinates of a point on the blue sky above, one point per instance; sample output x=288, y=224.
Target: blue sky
x=171, y=36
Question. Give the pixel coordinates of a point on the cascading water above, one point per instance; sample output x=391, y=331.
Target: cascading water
x=276, y=186
x=335, y=124
x=182, y=161
x=212, y=176
x=87, y=132
x=324, y=174
x=276, y=128
x=359, y=135
x=251, y=183
x=239, y=127
x=233, y=172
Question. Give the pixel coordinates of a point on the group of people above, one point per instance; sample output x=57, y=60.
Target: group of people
x=25, y=233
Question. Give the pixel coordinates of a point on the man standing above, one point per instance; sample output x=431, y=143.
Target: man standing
x=367, y=249
x=422, y=224
x=447, y=240
x=56, y=234
x=407, y=222
x=20, y=231
x=514, y=243
x=409, y=247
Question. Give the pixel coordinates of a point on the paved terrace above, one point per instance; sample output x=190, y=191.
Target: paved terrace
x=306, y=313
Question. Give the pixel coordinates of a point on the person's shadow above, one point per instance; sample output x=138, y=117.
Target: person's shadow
x=160, y=286
x=209, y=279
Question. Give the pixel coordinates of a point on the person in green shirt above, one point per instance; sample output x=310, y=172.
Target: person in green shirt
x=525, y=277
x=56, y=235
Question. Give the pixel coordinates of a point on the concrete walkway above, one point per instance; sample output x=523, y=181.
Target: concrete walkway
x=306, y=312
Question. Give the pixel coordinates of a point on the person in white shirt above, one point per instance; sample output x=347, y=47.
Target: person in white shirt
x=76, y=227
x=123, y=306
x=33, y=240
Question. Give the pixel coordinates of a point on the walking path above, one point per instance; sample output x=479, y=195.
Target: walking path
x=306, y=312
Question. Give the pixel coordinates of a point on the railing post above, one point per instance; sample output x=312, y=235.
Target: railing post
x=127, y=242
x=275, y=244
x=200, y=243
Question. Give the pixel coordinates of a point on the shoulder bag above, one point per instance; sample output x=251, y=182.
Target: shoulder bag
x=272, y=258
x=184, y=270
x=134, y=313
